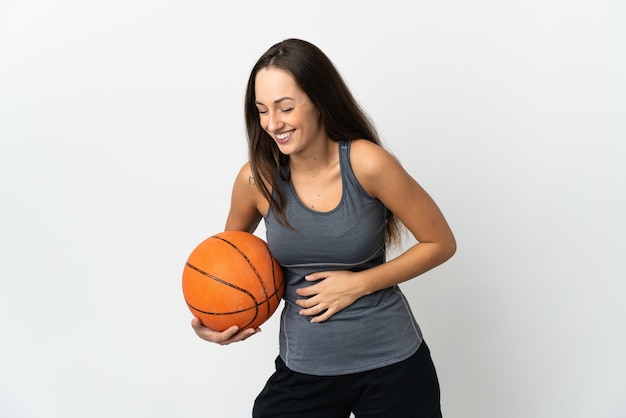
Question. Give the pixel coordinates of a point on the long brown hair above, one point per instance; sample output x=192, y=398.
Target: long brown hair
x=340, y=113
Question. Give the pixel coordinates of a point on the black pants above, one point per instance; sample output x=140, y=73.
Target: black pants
x=407, y=389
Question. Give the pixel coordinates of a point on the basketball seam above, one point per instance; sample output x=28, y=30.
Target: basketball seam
x=253, y=267
x=255, y=306
x=269, y=301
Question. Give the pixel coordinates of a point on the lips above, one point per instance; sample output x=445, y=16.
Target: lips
x=284, y=136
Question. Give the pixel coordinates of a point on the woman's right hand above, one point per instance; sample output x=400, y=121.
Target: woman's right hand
x=230, y=335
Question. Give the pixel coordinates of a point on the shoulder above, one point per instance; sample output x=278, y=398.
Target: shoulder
x=246, y=184
x=365, y=148
x=371, y=164
x=246, y=179
x=247, y=204
x=245, y=176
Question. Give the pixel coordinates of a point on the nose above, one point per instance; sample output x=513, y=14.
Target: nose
x=274, y=122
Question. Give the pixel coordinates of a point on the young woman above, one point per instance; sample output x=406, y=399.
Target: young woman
x=333, y=200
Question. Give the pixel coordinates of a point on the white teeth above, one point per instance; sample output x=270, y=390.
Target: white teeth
x=283, y=135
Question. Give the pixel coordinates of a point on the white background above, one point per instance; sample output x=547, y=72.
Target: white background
x=121, y=129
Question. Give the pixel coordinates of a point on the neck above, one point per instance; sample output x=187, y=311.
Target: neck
x=316, y=159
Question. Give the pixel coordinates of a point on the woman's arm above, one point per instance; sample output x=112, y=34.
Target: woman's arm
x=246, y=203
x=383, y=177
x=244, y=215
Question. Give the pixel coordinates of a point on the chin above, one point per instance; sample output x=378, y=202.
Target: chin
x=285, y=149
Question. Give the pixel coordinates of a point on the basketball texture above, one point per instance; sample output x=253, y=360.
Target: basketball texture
x=232, y=279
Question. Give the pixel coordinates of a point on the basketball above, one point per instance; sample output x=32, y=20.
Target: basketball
x=231, y=279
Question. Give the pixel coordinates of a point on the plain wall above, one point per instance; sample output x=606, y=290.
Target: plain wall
x=121, y=131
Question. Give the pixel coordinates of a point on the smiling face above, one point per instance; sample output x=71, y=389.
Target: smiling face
x=286, y=113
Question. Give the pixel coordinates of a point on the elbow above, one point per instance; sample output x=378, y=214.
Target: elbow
x=449, y=249
x=452, y=249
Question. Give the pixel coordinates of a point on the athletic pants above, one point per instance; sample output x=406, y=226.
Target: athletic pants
x=408, y=389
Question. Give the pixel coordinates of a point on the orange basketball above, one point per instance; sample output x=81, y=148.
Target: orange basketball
x=232, y=279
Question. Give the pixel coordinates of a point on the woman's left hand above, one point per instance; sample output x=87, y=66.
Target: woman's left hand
x=334, y=291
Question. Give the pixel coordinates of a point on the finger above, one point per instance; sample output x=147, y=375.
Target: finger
x=195, y=322
x=310, y=301
x=215, y=336
x=240, y=336
x=316, y=276
x=229, y=332
x=323, y=317
x=205, y=331
x=307, y=291
x=210, y=334
x=312, y=311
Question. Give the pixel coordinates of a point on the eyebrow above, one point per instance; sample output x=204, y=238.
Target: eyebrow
x=276, y=101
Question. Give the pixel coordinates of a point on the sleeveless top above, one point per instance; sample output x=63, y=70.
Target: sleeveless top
x=375, y=331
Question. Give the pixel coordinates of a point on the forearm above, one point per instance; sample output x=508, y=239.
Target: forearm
x=415, y=261
x=336, y=290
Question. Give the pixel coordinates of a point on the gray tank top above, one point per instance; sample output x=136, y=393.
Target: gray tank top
x=378, y=329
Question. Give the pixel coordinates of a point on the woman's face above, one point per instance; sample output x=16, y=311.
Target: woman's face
x=285, y=111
